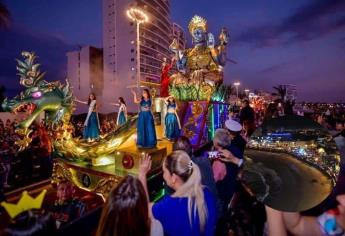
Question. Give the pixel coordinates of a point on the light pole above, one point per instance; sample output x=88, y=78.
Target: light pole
x=247, y=92
x=139, y=17
x=236, y=84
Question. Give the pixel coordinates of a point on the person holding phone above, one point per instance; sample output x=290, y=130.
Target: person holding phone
x=225, y=166
x=331, y=222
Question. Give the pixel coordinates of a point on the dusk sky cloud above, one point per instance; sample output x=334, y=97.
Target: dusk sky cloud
x=273, y=41
x=313, y=20
x=50, y=49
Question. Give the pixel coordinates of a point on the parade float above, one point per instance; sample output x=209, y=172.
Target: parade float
x=198, y=83
x=98, y=166
x=95, y=167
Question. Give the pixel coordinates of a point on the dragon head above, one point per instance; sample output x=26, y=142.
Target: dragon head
x=53, y=98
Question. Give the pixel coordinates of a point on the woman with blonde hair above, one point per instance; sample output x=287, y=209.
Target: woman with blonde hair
x=191, y=209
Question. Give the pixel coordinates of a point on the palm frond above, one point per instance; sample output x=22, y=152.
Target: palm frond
x=5, y=16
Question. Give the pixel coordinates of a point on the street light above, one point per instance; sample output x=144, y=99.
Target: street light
x=236, y=84
x=247, y=92
x=139, y=17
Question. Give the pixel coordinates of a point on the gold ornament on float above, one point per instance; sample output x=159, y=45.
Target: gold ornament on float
x=197, y=22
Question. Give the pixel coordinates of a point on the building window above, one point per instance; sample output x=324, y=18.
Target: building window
x=132, y=50
x=132, y=59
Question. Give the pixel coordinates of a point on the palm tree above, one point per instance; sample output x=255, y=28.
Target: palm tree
x=4, y=16
x=281, y=91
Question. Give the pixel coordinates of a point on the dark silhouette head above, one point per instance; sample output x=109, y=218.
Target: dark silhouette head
x=122, y=101
x=126, y=210
x=31, y=223
x=146, y=93
x=92, y=97
x=183, y=143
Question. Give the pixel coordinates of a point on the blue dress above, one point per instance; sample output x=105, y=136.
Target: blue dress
x=91, y=130
x=121, y=119
x=146, y=132
x=172, y=128
x=172, y=212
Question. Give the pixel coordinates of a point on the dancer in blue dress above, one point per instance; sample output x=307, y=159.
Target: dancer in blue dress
x=172, y=122
x=91, y=125
x=146, y=132
x=122, y=114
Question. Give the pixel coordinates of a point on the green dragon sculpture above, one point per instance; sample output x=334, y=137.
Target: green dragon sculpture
x=56, y=101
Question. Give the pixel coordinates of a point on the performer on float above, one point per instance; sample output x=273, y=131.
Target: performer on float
x=122, y=114
x=165, y=77
x=91, y=125
x=146, y=132
x=172, y=122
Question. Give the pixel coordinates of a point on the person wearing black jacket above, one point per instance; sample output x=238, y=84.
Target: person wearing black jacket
x=247, y=118
x=2, y=182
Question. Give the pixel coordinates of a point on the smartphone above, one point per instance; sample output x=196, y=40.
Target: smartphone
x=328, y=223
x=213, y=154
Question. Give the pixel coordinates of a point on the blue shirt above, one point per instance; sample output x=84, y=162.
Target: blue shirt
x=172, y=212
x=171, y=106
x=146, y=104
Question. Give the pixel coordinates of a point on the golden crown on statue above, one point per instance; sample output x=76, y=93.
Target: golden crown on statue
x=26, y=202
x=197, y=22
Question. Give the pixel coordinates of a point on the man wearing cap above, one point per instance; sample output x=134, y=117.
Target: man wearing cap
x=235, y=129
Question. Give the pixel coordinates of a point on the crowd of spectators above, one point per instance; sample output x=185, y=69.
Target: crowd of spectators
x=207, y=191
x=107, y=124
x=19, y=169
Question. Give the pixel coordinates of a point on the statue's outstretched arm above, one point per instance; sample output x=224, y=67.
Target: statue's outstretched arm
x=222, y=47
x=180, y=57
x=219, y=52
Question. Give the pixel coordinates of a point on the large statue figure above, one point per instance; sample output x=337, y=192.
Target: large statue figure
x=200, y=69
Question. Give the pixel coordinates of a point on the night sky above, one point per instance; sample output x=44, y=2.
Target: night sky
x=273, y=41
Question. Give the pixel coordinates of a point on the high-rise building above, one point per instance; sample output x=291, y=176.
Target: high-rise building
x=119, y=46
x=85, y=73
x=179, y=34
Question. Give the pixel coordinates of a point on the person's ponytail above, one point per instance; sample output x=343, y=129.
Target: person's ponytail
x=180, y=164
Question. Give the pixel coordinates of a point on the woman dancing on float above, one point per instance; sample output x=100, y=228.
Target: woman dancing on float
x=122, y=114
x=91, y=125
x=146, y=132
x=172, y=122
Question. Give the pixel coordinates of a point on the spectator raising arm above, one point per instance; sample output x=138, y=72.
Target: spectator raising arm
x=144, y=168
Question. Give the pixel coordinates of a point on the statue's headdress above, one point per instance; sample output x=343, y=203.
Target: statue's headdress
x=197, y=22
x=26, y=202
